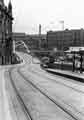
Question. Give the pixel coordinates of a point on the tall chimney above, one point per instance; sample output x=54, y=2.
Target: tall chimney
x=39, y=29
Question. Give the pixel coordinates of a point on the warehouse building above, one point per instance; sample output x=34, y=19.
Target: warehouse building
x=62, y=40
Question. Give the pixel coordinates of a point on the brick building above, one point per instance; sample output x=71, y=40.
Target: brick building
x=64, y=39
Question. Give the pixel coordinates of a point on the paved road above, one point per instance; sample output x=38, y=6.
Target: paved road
x=66, y=96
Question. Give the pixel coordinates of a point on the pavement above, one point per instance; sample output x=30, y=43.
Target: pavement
x=68, y=74
x=4, y=104
x=5, y=112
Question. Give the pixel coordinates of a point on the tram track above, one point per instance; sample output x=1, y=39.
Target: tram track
x=19, y=98
x=61, y=83
x=75, y=115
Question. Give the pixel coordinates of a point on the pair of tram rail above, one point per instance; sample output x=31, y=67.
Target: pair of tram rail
x=25, y=108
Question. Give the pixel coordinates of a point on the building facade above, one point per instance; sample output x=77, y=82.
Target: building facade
x=64, y=39
x=6, y=41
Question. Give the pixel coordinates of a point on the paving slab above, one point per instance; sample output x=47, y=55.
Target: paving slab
x=4, y=104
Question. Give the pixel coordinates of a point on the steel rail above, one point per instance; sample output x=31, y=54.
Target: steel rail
x=70, y=113
x=77, y=90
x=19, y=98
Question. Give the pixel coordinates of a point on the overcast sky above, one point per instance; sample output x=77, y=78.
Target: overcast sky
x=29, y=14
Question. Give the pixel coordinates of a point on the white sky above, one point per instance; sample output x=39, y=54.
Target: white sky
x=30, y=13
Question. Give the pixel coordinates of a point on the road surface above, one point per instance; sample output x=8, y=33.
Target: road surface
x=43, y=96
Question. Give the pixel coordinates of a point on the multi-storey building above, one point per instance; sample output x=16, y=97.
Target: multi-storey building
x=6, y=41
x=64, y=39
